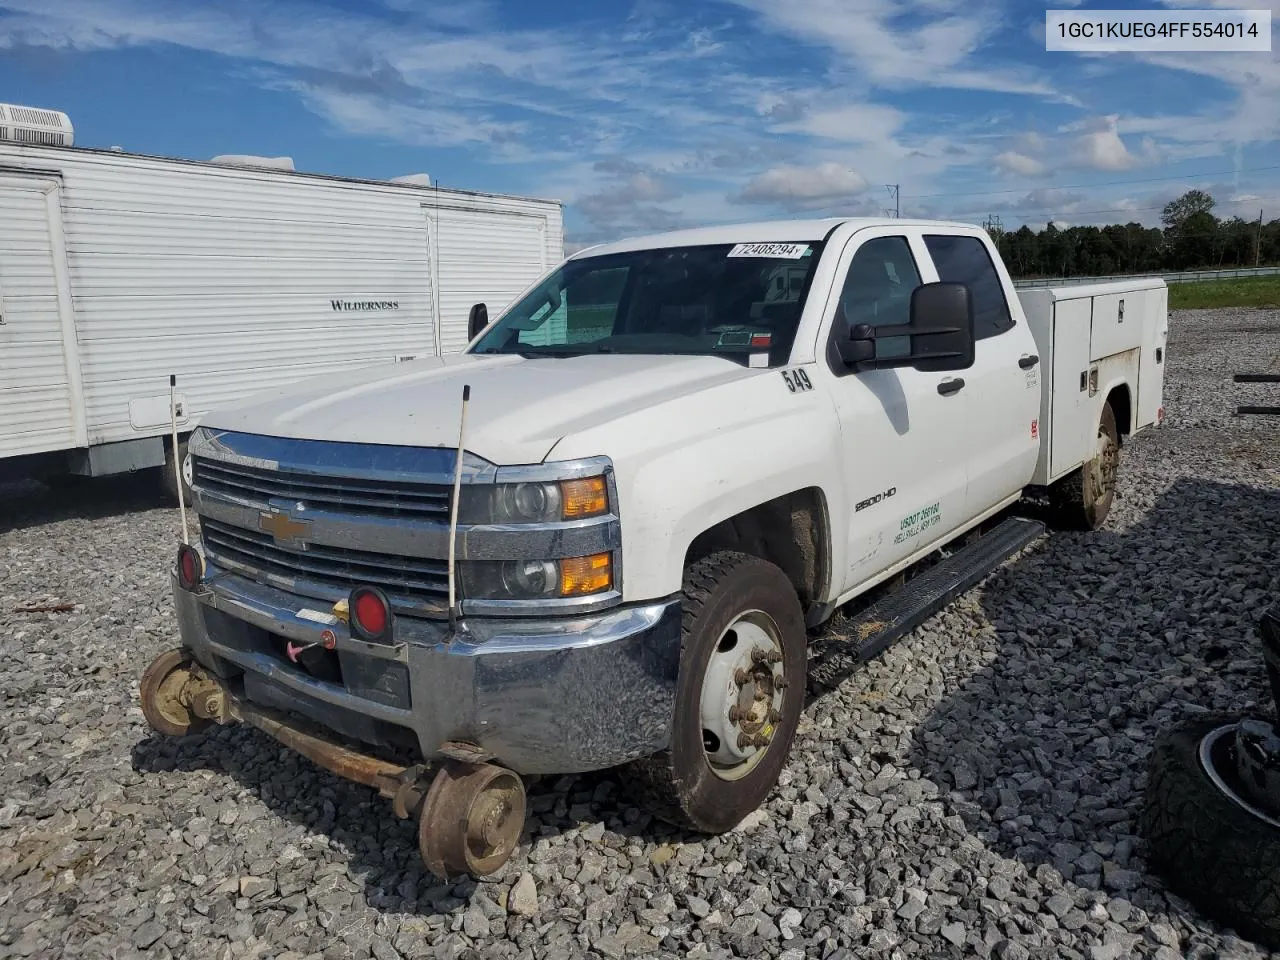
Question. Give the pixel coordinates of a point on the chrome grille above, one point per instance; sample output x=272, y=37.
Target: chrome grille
x=366, y=497
x=333, y=569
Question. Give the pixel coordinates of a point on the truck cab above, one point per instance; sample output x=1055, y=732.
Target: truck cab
x=597, y=536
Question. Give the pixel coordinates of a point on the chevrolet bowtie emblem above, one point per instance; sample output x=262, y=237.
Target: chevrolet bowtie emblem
x=285, y=530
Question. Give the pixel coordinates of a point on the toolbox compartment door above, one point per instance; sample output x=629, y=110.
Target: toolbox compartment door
x=1071, y=427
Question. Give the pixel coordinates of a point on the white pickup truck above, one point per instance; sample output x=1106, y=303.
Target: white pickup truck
x=680, y=452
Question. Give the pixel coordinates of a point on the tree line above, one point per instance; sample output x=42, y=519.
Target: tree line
x=1192, y=238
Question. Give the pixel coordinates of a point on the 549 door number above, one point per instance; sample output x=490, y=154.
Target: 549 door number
x=797, y=381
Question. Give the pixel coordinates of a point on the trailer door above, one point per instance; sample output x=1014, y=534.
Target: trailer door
x=41, y=401
x=481, y=256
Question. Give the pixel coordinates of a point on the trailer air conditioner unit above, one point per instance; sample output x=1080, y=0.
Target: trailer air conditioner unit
x=43, y=128
x=261, y=163
x=414, y=179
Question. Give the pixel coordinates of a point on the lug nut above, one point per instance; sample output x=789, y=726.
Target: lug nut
x=774, y=716
x=735, y=713
x=781, y=683
x=759, y=655
x=741, y=677
x=774, y=656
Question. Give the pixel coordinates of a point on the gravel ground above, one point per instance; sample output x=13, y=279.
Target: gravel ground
x=972, y=793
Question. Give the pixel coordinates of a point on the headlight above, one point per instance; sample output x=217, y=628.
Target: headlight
x=536, y=579
x=526, y=503
x=535, y=502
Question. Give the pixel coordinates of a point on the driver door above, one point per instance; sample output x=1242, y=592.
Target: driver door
x=904, y=450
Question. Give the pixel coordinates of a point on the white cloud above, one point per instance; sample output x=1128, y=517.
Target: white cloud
x=370, y=115
x=916, y=43
x=709, y=125
x=1030, y=143
x=850, y=123
x=1102, y=149
x=799, y=187
x=1013, y=162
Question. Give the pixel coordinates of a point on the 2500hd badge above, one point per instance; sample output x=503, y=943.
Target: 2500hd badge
x=872, y=501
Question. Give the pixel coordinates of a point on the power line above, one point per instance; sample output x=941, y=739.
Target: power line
x=1090, y=186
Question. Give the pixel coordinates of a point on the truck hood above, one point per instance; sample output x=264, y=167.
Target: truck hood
x=520, y=408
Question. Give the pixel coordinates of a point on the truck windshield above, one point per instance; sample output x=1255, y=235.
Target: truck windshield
x=730, y=300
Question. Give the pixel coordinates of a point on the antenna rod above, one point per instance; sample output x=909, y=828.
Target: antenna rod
x=177, y=467
x=453, y=513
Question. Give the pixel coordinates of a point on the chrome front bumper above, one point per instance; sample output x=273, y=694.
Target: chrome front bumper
x=563, y=695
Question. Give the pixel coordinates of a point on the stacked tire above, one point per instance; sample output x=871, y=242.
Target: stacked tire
x=1212, y=848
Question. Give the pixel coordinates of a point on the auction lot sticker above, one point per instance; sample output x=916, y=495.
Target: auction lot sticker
x=776, y=251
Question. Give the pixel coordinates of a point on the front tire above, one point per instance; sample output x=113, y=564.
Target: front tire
x=1082, y=500
x=739, y=696
x=1212, y=849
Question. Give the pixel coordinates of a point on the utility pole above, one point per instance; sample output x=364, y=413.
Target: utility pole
x=1257, y=244
x=895, y=191
x=994, y=226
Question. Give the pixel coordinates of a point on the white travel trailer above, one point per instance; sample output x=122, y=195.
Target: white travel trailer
x=119, y=270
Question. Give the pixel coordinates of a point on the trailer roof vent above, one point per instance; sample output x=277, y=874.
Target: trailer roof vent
x=43, y=128
x=261, y=163
x=414, y=179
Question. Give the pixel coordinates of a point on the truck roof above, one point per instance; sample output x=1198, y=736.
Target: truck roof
x=765, y=231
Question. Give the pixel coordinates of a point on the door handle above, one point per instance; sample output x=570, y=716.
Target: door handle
x=948, y=387
x=1028, y=361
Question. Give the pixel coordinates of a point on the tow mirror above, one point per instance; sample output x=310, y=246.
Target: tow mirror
x=940, y=332
x=478, y=320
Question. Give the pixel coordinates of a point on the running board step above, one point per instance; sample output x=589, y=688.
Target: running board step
x=891, y=618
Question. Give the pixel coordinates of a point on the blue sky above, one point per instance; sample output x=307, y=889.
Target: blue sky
x=648, y=114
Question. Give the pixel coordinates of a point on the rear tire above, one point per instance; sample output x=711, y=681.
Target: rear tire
x=1209, y=848
x=1082, y=500
x=734, y=604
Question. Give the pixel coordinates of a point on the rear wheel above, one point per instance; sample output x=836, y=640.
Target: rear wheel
x=1082, y=500
x=738, y=699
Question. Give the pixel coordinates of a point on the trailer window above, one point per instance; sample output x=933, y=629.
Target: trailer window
x=965, y=260
x=731, y=300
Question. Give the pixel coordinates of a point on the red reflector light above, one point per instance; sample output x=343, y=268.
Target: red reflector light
x=370, y=614
x=190, y=567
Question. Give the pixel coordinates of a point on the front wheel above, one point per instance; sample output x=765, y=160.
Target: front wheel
x=738, y=699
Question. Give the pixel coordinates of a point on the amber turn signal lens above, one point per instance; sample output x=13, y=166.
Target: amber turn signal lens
x=584, y=575
x=584, y=498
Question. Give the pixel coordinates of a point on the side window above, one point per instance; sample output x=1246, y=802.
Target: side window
x=965, y=260
x=582, y=312
x=878, y=289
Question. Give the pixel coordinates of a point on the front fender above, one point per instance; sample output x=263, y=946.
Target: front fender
x=685, y=466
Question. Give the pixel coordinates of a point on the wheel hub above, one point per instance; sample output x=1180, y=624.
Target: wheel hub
x=1243, y=761
x=471, y=819
x=1103, y=468
x=742, y=694
x=1257, y=751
